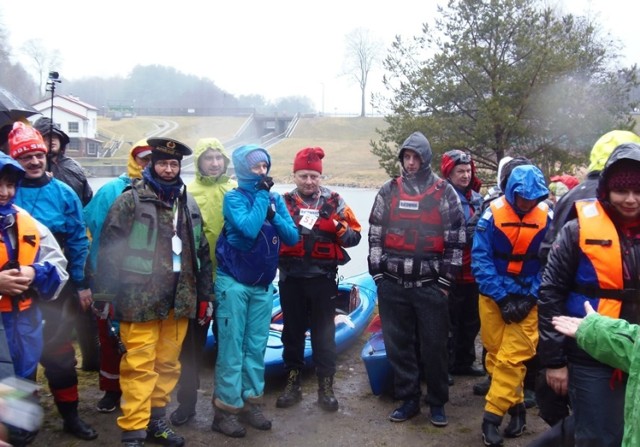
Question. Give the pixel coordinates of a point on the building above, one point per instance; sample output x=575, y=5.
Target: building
x=77, y=119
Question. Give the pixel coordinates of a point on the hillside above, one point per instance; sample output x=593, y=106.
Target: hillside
x=348, y=160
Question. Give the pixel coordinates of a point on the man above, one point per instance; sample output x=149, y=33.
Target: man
x=68, y=171
x=95, y=213
x=154, y=265
x=505, y=265
x=416, y=238
x=458, y=169
x=208, y=189
x=308, y=272
x=55, y=205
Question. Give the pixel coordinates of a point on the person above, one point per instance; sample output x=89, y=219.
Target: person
x=505, y=265
x=612, y=341
x=95, y=213
x=55, y=205
x=255, y=223
x=154, y=266
x=69, y=171
x=208, y=188
x=308, y=271
x=594, y=257
x=458, y=169
x=559, y=185
x=416, y=239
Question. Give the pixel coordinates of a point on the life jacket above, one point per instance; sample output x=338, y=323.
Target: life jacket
x=520, y=232
x=28, y=245
x=317, y=245
x=256, y=266
x=415, y=225
x=599, y=276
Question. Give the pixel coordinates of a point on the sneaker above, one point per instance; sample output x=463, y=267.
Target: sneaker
x=181, y=416
x=438, y=418
x=109, y=402
x=133, y=443
x=407, y=410
x=159, y=432
x=227, y=424
x=256, y=418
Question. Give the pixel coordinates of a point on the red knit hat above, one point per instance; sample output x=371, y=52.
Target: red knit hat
x=624, y=176
x=24, y=139
x=309, y=158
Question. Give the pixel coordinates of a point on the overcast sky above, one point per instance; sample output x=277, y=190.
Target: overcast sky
x=279, y=48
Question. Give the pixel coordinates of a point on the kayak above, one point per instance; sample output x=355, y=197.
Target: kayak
x=376, y=363
x=355, y=305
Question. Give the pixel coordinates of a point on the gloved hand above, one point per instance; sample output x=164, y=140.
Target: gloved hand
x=271, y=211
x=265, y=183
x=507, y=309
x=205, y=312
x=515, y=308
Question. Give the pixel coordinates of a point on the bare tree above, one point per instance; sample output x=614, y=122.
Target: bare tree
x=362, y=55
x=43, y=60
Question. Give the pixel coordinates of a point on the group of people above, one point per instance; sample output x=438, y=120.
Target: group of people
x=146, y=265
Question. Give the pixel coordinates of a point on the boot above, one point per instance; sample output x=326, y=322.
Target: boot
x=73, y=424
x=292, y=391
x=490, y=433
x=326, y=399
x=518, y=422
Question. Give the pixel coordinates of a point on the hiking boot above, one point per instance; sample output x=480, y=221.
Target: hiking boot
x=255, y=418
x=490, y=433
x=79, y=428
x=292, y=391
x=133, y=443
x=482, y=388
x=518, y=422
x=109, y=402
x=181, y=416
x=406, y=411
x=159, y=432
x=227, y=424
x=438, y=417
x=326, y=399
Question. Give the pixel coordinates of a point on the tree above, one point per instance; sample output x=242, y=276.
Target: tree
x=506, y=77
x=43, y=60
x=362, y=55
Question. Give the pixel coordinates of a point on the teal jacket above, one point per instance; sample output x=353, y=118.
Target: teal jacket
x=615, y=342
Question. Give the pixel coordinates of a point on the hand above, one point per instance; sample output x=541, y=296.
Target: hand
x=271, y=211
x=507, y=309
x=85, y=298
x=102, y=309
x=558, y=379
x=13, y=282
x=265, y=183
x=515, y=308
x=205, y=312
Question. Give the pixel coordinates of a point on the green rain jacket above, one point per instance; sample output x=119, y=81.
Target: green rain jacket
x=208, y=192
x=615, y=342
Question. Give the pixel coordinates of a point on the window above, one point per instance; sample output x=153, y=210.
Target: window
x=73, y=126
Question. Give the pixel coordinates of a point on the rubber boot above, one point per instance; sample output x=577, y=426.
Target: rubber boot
x=292, y=391
x=490, y=429
x=326, y=399
x=518, y=422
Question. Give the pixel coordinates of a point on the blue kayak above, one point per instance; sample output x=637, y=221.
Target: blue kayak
x=355, y=305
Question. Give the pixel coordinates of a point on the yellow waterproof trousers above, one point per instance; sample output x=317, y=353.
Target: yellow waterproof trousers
x=150, y=369
x=508, y=347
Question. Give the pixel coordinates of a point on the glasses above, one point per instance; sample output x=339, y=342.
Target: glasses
x=27, y=157
x=164, y=164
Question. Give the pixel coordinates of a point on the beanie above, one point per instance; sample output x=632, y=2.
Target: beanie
x=255, y=157
x=309, y=158
x=24, y=139
x=141, y=150
x=624, y=176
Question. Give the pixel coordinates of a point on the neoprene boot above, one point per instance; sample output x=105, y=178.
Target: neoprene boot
x=326, y=399
x=518, y=422
x=490, y=429
x=292, y=391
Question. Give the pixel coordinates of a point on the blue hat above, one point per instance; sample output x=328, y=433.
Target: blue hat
x=255, y=157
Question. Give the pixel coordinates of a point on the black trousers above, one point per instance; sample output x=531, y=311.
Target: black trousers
x=465, y=325
x=190, y=362
x=309, y=304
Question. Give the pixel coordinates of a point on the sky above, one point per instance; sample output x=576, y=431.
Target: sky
x=274, y=49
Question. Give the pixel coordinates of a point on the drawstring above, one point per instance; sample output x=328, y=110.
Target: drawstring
x=616, y=376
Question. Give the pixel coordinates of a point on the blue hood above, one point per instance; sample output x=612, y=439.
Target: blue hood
x=528, y=182
x=247, y=179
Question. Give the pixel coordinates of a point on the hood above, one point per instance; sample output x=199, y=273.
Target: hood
x=528, y=182
x=246, y=178
x=134, y=170
x=503, y=161
x=9, y=164
x=623, y=153
x=418, y=143
x=203, y=145
x=44, y=126
x=606, y=144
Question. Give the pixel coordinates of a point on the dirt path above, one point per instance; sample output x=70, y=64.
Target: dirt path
x=361, y=420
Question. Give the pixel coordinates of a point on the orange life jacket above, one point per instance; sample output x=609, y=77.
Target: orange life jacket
x=28, y=244
x=519, y=231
